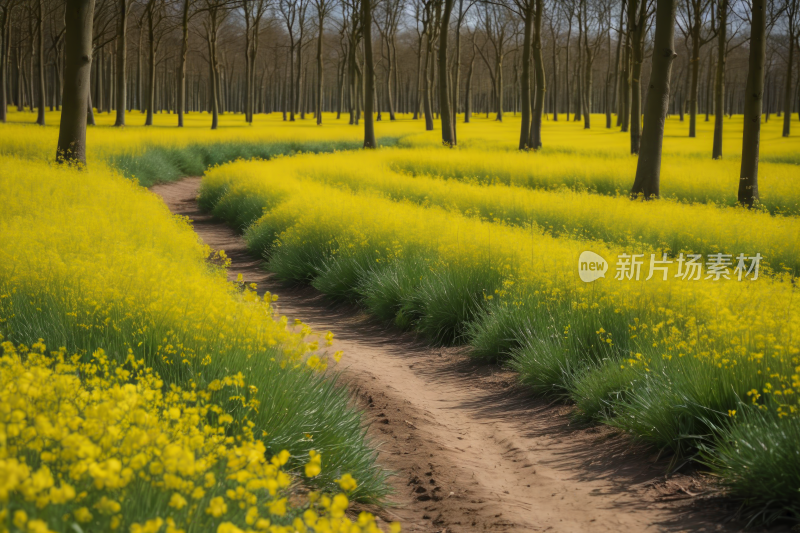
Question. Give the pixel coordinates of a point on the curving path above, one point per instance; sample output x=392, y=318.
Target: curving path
x=471, y=450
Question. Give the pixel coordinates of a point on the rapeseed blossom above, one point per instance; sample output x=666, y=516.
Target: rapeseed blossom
x=81, y=442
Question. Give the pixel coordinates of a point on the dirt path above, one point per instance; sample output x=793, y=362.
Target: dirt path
x=472, y=451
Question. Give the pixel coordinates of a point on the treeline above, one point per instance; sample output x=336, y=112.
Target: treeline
x=434, y=59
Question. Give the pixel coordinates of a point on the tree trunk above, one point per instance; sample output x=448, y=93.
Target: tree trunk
x=636, y=21
x=719, y=80
x=292, y=92
x=389, y=79
x=42, y=96
x=5, y=47
x=78, y=18
x=567, y=77
x=754, y=94
x=617, y=64
x=468, y=92
x=318, y=103
x=151, y=66
x=369, y=75
x=625, y=97
x=448, y=137
x=555, y=81
x=648, y=168
x=694, y=76
x=122, y=55
x=426, y=94
x=535, y=138
x=787, y=94
x=498, y=90
x=182, y=64
x=525, y=126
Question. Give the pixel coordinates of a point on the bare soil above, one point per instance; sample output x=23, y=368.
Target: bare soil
x=472, y=450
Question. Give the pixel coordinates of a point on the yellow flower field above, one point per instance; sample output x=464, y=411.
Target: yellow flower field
x=187, y=404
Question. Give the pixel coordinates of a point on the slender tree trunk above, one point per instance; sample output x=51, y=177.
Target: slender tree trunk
x=418, y=96
x=625, y=96
x=636, y=21
x=5, y=29
x=787, y=93
x=555, y=81
x=754, y=94
x=535, y=139
x=617, y=64
x=320, y=70
x=122, y=56
x=498, y=90
x=78, y=18
x=389, y=79
x=139, y=105
x=448, y=136
x=579, y=76
x=292, y=91
x=369, y=75
x=182, y=64
x=42, y=96
x=567, y=77
x=695, y=75
x=248, y=65
x=719, y=80
x=648, y=168
x=468, y=92
x=299, y=81
x=525, y=125
x=427, y=86
x=151, y=82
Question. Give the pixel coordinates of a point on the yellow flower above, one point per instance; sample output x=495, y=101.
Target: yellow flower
x=177, y=501
x=107, y=506
x=314, y=466
x=277, y=507
x=83, y=515
x=347, y=483
x=217, y=507
x=20, y=518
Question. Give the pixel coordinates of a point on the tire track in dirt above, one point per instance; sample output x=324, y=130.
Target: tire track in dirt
x=472, y=451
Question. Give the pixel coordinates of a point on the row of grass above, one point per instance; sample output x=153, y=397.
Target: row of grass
x=89, y=260
x=665, y=227
x=679, y=366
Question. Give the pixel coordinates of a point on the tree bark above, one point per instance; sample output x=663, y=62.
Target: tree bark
x=78, y=17
x=42, y=96
x=525, y=126
x=369, y=75
x=320, y=71
x=535, y=137
x=182, y=64
x=448, y=137
x=468, y=92
x=787, y=94
x=719, y=80
x=625, y=97
x=151, y=66
x=648, y=168
x=636, y=23
x=426, y=91
x=122, y=56
x=5, y=48
x=754, y=94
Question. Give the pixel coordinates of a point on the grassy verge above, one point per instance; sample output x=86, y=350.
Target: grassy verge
x=671, y=362
x=160, y=164
x=91, y=261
